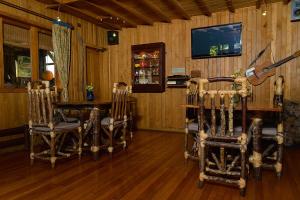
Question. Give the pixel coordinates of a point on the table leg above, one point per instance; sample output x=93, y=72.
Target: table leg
x=96, y=134
x=256, y=157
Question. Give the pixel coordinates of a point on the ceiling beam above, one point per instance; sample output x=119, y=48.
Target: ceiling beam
x=55, y=6
x=134, y=12
x=203, y=7
x=177, y=6
x=286, y=1
x=112, y=13
x=156, y=10
x=93, y=19
x=258, y=4
x=67, y=1
x=229, y=5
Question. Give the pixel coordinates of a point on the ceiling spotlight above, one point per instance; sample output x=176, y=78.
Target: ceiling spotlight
x=264, y=13
x=58, y=19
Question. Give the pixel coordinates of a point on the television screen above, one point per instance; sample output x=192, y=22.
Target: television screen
x=216, y=41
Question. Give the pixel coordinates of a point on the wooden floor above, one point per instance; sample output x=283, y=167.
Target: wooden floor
x=153, y=167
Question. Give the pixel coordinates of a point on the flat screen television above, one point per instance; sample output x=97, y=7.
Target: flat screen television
x=217, y=41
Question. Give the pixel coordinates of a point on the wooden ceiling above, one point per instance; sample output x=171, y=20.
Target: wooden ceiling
x=118, y=14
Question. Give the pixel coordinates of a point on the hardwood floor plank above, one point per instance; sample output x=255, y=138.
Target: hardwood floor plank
x=153, y=167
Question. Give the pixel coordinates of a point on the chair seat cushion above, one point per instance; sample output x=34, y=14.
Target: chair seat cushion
x=58, y=127
x=105, y=121
x=269, y=131
x=71, y=119
x=193, y=126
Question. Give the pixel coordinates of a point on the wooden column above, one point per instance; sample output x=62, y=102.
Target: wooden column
x=256, y=156
x=1, y=54
x=34, y=52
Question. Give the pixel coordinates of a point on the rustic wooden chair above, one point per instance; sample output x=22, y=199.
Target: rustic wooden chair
x=55, y=97
x=42, y=123
x=223, y=147
x=272, y=138
x=117, y=120
x=191, y=120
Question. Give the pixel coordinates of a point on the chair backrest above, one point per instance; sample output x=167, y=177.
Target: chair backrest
x=40, y=110
x=53, y=91
x=120, y=95
x=278, y=91
x=192, y=99
x=222, y=100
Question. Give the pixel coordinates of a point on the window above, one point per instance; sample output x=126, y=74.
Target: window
x=17, y=61
x=46, y=58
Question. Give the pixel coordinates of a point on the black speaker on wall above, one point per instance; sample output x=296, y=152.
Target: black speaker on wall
x=112, y=37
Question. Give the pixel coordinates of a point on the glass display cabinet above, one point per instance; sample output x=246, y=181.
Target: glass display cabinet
x=148, y=67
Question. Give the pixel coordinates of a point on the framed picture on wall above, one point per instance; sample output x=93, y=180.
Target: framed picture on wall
x=295, y=10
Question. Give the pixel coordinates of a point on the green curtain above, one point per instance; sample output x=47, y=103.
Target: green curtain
x=61, y=37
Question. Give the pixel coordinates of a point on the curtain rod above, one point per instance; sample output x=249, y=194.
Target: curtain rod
x=31, y=12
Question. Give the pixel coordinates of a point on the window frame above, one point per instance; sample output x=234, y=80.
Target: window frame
x=34, y=30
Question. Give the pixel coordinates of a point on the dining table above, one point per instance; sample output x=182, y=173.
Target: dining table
x=97, y=106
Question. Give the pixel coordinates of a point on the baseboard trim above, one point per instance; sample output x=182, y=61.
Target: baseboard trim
x=12, y=131
x=12, y=137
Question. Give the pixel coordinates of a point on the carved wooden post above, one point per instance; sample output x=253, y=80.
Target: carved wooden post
x=202, y=135
x=124, y=109
x=243, y=92
x=96, y=134
x=230, y=115
x=79, y=142
x=279, y=137
x=213, y=112
x=223, y=127
x=278, y=92
x=256, y=157
x=278, y=101
x=186, y=153
x=30, y=118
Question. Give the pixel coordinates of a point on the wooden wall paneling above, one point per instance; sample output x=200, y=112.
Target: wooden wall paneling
x=289, y=51
x=164, y=107
x=93, y=71
x=275, y=36
x=296, y=81
x=256, y=35
x=1, y=54
x=14, y=105
x=34, y=52
x=169, y=58
x=163, y=37
x=13, y=110
x=283, y=45
x=295, y=63
x=254, y=49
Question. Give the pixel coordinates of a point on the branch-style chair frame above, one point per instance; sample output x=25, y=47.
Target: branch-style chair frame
x=192, y=120
x=118, y=116
x=42, y=123
x=225, y=141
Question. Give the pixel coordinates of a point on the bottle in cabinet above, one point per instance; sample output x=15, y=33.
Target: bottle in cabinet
x=148, y=67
